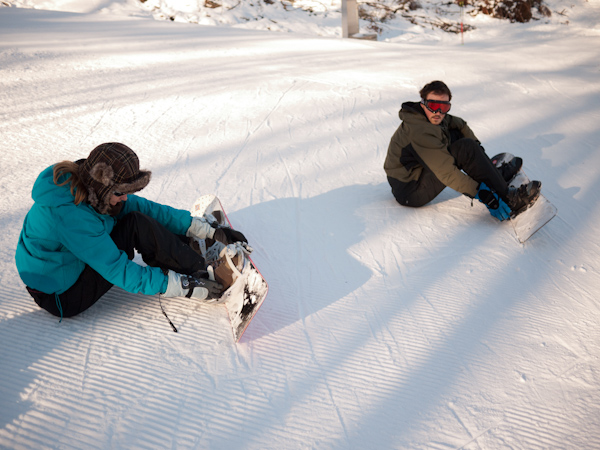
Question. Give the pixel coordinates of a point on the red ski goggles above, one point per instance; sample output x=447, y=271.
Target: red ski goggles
x=436, y=106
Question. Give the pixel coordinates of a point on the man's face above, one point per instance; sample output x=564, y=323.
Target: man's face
x=435, y=117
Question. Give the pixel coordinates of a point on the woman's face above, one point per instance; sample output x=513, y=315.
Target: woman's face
x=117, y=197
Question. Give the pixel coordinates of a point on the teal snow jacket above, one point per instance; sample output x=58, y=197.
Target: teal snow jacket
x=59, y=238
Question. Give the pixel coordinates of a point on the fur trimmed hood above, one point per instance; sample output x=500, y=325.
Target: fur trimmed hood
x=111, y=167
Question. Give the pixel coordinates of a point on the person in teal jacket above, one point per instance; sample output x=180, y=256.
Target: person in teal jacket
x=78, y=238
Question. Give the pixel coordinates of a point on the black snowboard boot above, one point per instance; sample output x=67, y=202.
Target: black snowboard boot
x=511, y=168
x=519, y=199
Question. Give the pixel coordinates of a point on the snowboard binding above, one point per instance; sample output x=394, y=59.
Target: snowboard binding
x=531, y=210
x=228, y=262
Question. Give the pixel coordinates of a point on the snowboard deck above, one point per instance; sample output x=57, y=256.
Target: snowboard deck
x=530, y=221
x=245, y=296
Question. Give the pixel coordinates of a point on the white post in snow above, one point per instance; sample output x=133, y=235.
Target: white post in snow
x=350, y=28
x=349, y=18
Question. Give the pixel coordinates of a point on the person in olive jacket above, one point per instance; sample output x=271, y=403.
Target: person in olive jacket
x=78, y=238
x=432, y=149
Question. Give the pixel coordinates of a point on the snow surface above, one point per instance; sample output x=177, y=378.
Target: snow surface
x=385, y=327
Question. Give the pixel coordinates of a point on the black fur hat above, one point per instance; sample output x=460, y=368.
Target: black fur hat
x=111, y=167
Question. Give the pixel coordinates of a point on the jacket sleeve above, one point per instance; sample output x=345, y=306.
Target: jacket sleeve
x=431, y=146
x=461, y=125
x=85, y=235
x=175, y=220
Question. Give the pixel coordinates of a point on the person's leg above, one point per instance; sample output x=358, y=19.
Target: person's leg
x=472, y=159
x=417, y=193
x=157, y=245
x=86, y=291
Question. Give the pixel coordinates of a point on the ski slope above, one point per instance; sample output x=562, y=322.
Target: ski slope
x=385, y=327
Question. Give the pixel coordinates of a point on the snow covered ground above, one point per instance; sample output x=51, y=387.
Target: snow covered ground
x=385, y=327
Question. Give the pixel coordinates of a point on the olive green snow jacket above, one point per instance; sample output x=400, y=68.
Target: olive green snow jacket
x=418, y=141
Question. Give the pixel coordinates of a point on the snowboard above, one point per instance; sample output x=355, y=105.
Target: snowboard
x=249, y=290
x=538, y=214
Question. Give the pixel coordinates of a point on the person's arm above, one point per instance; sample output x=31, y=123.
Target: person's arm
x=461, y=125
x=86, y=237
x=175, y=220
x=431, y=147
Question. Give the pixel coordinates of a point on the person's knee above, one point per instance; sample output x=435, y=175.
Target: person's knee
x=466, y=144
x=465, y=150
x=133, y=216
x=137, y=221
x=125, y=232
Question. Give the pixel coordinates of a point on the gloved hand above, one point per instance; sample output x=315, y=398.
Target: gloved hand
x=200, y=229
x=192, y=287
x=228, y=236
x=497, y=207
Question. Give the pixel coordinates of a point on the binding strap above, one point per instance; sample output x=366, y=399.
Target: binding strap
x=240, y=251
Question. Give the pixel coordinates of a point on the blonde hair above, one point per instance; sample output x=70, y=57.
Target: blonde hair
x=78, y=189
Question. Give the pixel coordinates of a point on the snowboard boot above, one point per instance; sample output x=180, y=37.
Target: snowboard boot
x=198, y=245
x=230, y=264
x=509, y=169
x=521, y=198
x=206, y=247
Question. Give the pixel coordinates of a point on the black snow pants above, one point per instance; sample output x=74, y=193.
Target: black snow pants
x=469, y=156
x=157, y=246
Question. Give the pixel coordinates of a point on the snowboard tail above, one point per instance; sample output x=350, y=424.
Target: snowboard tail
x=249, y=289
x=530, y=220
